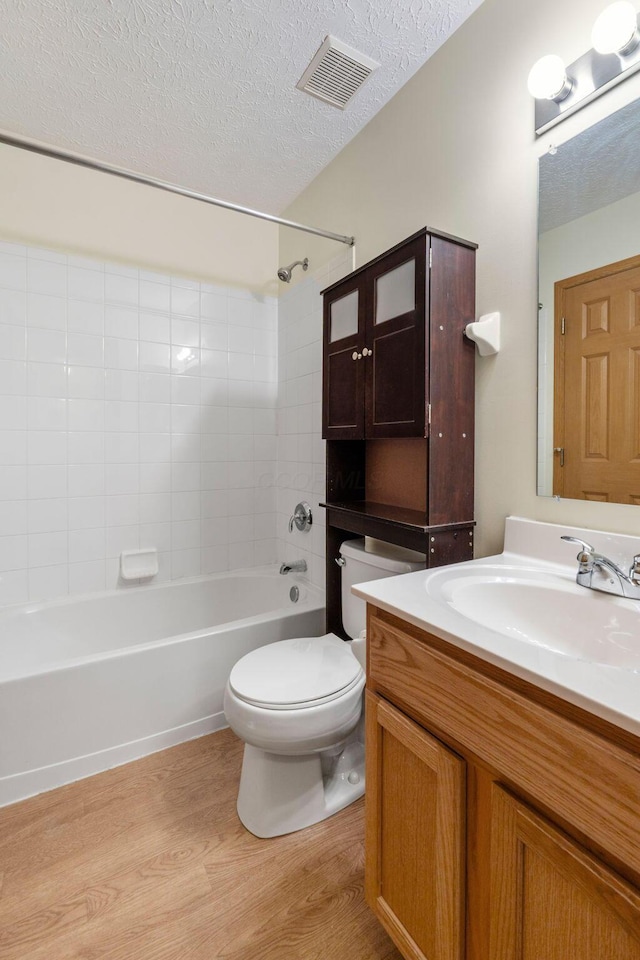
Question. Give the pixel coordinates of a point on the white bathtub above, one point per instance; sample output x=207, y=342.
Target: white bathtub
x=90, y=683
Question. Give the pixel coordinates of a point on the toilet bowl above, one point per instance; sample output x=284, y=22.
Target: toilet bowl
x=297, y=704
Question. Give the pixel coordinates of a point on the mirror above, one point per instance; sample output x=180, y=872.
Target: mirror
x=589, y=274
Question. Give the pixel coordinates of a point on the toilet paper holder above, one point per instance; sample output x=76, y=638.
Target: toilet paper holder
x=485, y=333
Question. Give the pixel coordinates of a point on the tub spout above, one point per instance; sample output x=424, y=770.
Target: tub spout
x=296, y=566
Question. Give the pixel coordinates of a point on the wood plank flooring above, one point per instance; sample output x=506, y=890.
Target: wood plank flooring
x=150, y=862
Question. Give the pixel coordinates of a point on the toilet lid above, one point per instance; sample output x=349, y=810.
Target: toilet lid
x=298, y=671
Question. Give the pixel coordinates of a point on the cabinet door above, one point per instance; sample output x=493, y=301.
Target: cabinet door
x=414, y=870
x=550, y=898
x=343, y=362
x=396, y=374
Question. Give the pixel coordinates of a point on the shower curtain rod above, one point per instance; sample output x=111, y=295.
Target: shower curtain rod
x=34, y=146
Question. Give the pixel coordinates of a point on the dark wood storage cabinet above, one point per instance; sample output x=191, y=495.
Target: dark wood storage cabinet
x=375, y=375
x=398, y=403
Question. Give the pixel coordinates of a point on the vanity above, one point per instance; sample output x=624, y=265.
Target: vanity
x=503, y=756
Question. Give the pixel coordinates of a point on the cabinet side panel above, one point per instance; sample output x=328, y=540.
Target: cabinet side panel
x=450, y=546
x=452, y=388
x=373, y=737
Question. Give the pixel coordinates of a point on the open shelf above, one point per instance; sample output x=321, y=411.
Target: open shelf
x=399, y=525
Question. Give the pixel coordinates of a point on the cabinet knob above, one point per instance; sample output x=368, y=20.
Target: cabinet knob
x=366, y=352
x=356, y=356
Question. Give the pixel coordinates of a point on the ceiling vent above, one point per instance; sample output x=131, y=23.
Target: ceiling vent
x=336, y=73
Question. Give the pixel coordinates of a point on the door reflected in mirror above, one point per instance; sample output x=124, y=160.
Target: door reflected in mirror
x=589, y=314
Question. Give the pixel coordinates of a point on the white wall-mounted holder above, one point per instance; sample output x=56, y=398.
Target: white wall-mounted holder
x=485, y=333
x=138, y=564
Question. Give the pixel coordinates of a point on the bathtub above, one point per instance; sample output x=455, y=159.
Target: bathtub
x=93, y=682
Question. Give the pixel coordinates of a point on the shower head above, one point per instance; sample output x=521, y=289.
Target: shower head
x=284, y=273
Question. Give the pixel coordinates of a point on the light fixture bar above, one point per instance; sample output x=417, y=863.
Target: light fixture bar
x=35, y=146
x=591, y=75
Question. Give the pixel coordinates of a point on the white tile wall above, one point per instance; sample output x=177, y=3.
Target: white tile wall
x=136, y=409
x=301, y=450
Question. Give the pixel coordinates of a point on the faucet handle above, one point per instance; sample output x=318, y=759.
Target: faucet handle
x=301, y=517
x=586, y=555
x=586, y=546
x=634, y=571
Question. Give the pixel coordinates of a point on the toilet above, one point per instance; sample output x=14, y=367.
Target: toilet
x=297, y=704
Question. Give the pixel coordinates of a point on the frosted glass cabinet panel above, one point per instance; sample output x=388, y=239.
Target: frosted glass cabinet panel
x=396, y=292
x=344, y=317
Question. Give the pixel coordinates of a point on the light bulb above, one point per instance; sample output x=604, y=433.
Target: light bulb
x=548, y=79
x=616, y=29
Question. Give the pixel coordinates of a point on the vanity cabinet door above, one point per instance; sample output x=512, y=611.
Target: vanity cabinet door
x=414, y=871
x=550, y=898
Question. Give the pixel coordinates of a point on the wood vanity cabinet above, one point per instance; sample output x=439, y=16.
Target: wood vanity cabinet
x=501, y=822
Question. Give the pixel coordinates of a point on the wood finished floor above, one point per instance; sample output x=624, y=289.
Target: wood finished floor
x=150, y=862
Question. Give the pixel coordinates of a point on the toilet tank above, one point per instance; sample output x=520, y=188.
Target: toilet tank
x=360, y=564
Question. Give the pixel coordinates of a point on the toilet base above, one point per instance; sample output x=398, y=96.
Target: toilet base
x=282, y=794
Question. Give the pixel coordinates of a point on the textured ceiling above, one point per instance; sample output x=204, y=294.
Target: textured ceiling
x=202, y=92
x=593, y=170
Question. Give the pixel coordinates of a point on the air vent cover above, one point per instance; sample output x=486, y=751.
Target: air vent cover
x=336, y=73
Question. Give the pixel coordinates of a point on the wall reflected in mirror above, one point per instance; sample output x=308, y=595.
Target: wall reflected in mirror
x=589, y=314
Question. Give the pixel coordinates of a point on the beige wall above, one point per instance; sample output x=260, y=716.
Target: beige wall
x=455, y=149
x=57, y=205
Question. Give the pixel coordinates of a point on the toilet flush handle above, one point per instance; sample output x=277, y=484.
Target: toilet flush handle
x=341, y=561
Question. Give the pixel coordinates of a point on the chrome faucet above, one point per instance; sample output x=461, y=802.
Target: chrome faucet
x=296, y=566
x=614, y=580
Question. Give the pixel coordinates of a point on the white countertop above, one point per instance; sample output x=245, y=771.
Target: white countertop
x=612, y=693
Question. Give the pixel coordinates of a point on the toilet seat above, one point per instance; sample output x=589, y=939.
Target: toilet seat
x=296, y=674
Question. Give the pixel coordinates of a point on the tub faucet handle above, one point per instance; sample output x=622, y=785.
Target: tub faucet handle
x=301, y=517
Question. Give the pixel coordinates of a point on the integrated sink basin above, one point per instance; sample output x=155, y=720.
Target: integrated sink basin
x=523, y=612
x=544, y=609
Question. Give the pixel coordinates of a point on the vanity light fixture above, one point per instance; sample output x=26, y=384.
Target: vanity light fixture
x=616, y=29
x=548, y=79
x=560, y=91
